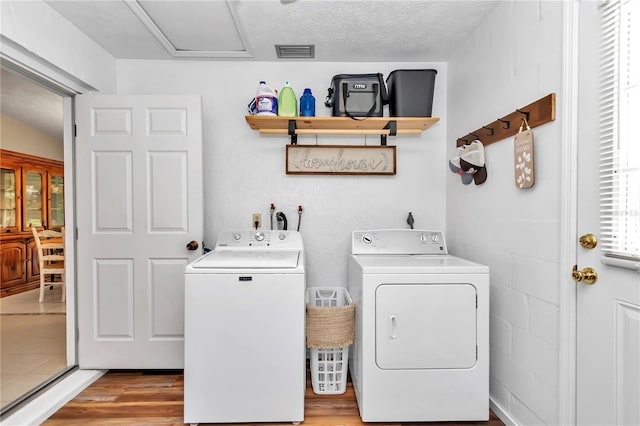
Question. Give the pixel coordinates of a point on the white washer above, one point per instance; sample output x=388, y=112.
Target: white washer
x=244, y=330
x=422, y=329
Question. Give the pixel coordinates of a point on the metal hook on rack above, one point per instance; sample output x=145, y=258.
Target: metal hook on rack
x=489, y=129
x=526, y=114
x=507, y=122
x=475, y=136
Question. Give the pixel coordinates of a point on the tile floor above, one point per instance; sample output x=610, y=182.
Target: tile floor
x=32, y=341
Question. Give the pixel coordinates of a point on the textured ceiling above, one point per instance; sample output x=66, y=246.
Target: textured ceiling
x=385, y=31
x=344, y=31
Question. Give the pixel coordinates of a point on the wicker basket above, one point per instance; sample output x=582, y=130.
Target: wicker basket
x=330, y=330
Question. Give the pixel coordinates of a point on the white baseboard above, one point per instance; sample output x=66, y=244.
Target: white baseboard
x=501, y=413
x=42, y=407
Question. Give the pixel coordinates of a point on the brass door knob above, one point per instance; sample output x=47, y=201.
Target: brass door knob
x=586, y=275
x=588, y=241
x=192, y=245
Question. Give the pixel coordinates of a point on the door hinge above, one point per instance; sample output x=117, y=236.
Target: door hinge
x=476, y=352
x=476, y=301
x=78, y=335
x=75, y=130
x=76, y=233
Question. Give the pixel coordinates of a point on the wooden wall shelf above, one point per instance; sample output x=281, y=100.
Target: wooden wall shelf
x=340, y=125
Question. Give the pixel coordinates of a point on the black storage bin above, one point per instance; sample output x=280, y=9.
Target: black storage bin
x=411, y=92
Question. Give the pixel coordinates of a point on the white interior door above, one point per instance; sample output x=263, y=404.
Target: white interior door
x=608, y=311
x=139, y=203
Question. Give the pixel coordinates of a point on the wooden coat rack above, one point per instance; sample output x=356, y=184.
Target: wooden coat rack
x=539, y=112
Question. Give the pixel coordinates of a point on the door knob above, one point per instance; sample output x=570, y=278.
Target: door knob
x=192, y=245
x=588, y=241
x=586, y=275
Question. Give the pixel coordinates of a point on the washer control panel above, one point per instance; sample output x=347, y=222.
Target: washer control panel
x=259, y=239
x=398, y=241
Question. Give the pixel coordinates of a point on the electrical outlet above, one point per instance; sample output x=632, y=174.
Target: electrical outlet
x=256, y=221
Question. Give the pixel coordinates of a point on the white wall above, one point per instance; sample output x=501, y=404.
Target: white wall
x=245, y=172
x=19, y=137
x=513, y=59
x=36, y=28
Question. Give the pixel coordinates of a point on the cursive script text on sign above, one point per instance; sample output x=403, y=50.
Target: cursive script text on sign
x=341, y=159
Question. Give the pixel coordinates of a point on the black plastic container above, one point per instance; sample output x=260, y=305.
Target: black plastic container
x=411, y=92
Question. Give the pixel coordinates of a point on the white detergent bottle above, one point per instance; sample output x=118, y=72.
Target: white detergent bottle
x=287, y=102
x=266, y=100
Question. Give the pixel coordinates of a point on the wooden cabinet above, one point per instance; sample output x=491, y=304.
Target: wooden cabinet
x=55, y=200
x=31, y=194
x=34, y=185
x=32, y=265
x=13, y=255
x=10, y=197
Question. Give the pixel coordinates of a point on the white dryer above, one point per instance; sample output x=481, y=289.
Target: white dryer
x=244, y=330
x=422, y=329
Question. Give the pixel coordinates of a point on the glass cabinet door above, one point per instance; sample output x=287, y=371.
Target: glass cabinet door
x=33, y=199
x=9, y=198
x=56, y=199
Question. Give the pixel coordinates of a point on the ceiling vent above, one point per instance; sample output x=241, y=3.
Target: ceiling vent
x=295, y=51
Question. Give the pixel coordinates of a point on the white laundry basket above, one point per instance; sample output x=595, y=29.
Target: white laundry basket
x=329, y=365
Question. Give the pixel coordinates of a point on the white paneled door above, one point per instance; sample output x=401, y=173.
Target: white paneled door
x=139, y=204
x=608, y=311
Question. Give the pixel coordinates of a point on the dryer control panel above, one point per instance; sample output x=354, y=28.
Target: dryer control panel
x=398, y=241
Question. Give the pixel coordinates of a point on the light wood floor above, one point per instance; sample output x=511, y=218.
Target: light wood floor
x=151, y=398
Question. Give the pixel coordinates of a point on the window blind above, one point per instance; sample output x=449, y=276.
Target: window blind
x=619, y=144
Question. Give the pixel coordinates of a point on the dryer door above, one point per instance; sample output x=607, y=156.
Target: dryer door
x=425, y=326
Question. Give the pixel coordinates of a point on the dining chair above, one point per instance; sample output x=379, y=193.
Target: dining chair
x=50, y=246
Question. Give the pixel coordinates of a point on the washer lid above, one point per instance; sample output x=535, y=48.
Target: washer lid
x=418, y=264
x=243, y=259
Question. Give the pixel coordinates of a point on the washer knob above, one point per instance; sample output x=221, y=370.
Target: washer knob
x=237, y=236
x=282, y=236
x=367, y=239
x=259, y=236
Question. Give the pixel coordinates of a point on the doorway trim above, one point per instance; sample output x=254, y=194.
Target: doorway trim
x=569, y=216
x=15, y=58
x=27, y=64
x=41, y=77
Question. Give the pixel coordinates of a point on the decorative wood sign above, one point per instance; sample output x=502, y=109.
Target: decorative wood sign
x=523, y=158
x=341, y=160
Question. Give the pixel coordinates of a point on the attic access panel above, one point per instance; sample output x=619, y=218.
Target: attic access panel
x=192, y=28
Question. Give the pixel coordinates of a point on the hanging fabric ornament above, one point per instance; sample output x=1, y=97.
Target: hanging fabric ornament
x=523, y=156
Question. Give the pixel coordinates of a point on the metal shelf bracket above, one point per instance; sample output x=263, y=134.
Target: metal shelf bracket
x=392, y=126
x=292, y=132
